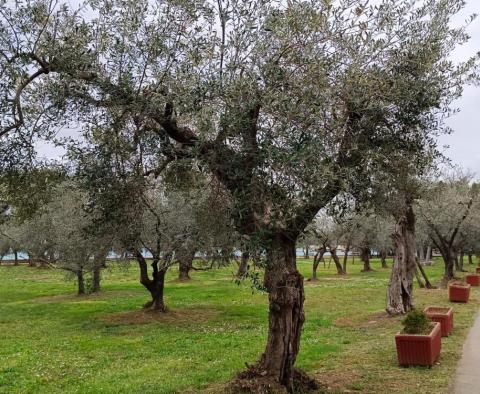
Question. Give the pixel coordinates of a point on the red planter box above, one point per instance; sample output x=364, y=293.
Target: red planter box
x=473, y=279
x=458, y=292
x=477, y=270
x=419, y=349
x=444, y=316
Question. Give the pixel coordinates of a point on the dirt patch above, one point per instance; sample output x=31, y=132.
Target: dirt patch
x=375, y=319
x=171, y=317
x=254, y=380
x=338, y=381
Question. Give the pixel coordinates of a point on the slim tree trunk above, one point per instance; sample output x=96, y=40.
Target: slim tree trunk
x=15, y=253
x=286, y=316
x=428, y=285
x=383, y=258
x=316, y=261
x=428, y=256
x=306, y=252
x=470, y=259
x=419, y=280
x=400, y=287
x=345, y=258
x=333, y=252
x=365, y=256
x=243, y=267
x=80, y=282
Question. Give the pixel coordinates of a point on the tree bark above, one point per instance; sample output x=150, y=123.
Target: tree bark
x=333, y=252
x=155, y=285
x=185, y=264
x=428, y=285
x=99, y=261
x=306, y=253
x=419, y=280
x=243, y=267
x=15, y=253
x=400, y=287
x=428, y=256
x=286, y=316
x=345, y=258
x=383, y=258
x=80, y=282
x=470, y=259
x=365, y=256
x=316, y=261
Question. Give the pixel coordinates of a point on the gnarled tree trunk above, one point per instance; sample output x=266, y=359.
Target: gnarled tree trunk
x=243, y=266
x=99, y=263
x=185, y=264
x=155, y=285
x=400, y=287
x=365, y=256
x=333, y=252
x=286, y=316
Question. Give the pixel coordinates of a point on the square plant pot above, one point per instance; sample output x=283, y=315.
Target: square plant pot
x=477, y=270
x=415, y=349
x=458, y=292
x=444, y=316
x=473, y=279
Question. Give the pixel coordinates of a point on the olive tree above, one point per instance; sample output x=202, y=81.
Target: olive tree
x=285, y=104
x=449, y=207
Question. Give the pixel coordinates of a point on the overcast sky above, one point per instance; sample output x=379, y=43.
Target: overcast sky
x=463, y=145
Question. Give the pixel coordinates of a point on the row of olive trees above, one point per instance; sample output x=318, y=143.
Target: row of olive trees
x=286, y=105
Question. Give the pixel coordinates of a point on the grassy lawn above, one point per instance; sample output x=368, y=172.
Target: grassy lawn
x=52, y=341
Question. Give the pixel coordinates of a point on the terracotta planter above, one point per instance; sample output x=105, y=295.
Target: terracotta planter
x=458, y=292
x=477, y=270
x=473, y=279
x=419, y=349
x=444, y=316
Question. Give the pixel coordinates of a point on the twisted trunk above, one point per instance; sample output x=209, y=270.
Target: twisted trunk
x=185, y=264
x=155, y=285
x=400, y=288
x=365, y=256
x=243, y=267
x=99, y=263
x=333, y=252
x=286, y=316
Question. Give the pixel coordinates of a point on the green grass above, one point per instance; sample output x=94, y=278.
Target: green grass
x=53, y=341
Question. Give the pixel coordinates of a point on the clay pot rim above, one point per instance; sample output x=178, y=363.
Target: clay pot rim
x=436, y=327
x=438, y=310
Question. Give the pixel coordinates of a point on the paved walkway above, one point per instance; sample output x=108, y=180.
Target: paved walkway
x=467, y=377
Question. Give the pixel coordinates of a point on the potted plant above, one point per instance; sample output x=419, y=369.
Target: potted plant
x=420, y=341
x=444, y=316
x=473, y=279
x=458, y=292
